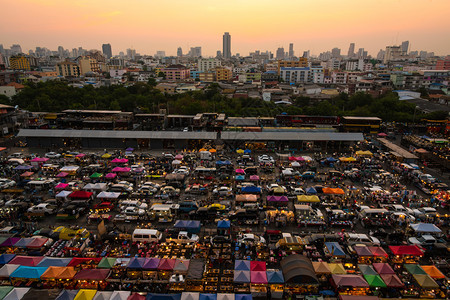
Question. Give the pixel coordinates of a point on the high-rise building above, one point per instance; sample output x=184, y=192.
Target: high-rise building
x=280, y=53
x=107, y=51
x=19, y=62
x=351, y=50
x=195, y=52
x=361, y=53
x=226, y=49
x=68, y=69
x=179, y=52
x=1, y=49
x=16, y=49
x=61, y=51
x=160, y=54
x=131, y=53
x=405, y=47
x=306, y=54
x=291, y=50
x=208, y=64
x=336, y=53
x=392, y=53
x=300, y=63
x=219, y=54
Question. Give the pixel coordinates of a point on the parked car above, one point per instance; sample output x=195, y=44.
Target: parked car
x=43, y=208
x=52, y=155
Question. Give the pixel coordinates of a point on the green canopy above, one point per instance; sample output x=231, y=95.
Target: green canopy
x=374, y=281
x=367, y=269
x=4, y=290
x=96, y=175
x=415, y=269
x=106, y=263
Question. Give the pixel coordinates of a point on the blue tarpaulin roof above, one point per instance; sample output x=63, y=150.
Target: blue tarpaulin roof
x=275, y=277
x=188, y=224
x=28, y=272
x=208, y=297
x=425, y=227
x=251, y=189
x=223, y=224
x=243, y=297
x=23, y=242
x=311, y=190
x=334, y=249
x=136, y=263
x=241, y=276
x=5, y=258
x=67, y=295
x=242, y=265
x=54, y=262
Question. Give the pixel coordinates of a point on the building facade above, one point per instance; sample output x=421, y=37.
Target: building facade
x=19, y=62
x=176, y=72
x=205, y=65
x=68, y=69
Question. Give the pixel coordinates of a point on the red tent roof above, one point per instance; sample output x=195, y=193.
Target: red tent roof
x=349, y=280
x=29, y=261
x=92, y=274
x=166, y=264
x=37, y=243
x=82, y=260
x=377, y=251
x=257, y=266
x=406, y=250
x=136, y=296
x=80, y=195
x=383, y=268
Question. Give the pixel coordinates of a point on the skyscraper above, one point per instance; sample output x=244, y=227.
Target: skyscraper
x=280, y=53
x=61, y=51
x=16, y=49
x=291, y=50
x=107, y=51
x=351, y=50
x=179, y=52
x=336, y=52
x=405, y=47
x=226, y=46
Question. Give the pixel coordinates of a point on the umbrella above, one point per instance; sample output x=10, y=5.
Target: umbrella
x=247, y=151
x=96, y=175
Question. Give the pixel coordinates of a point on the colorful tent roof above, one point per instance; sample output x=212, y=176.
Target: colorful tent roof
x=6, y=258
x=337, y=268
x=151, y=296
x=76, y=261
x=67, y=295
x=96, y=175
x=377, y=251
x=334, y=249
x=52, y=272
x=425, y=281
x=383, y=268
x=433, y=272
x=5, y=290
x=166, y=264
x=308, y=198
x=406, y=250
x=9, y=242
x=334, y=191
x=16, y=293
x=241, y=276
x=136, y=263
x=102, y=295
x=85, y=295
x=349, y=281
x=374, y=281
x=92, y=274
x=277, y=199
x=223, y=224
x=191, y=296
x=80, y=195
x=29, y=261
x=414, y=269
x=23, y=242
x=392, y=280
x=136, y=296
x=258, y=277
x=7, y=270
x=425, y=227
x=151, y=263
x=321, y=267
x=54, y=262
x=207, y=296
x=257, y=266
x=367, y=269
x=275, y=277
x=181, y=265
x=28, y=272
x=242, y=265
x=37, y=243
x=363, y=251
x=106, y=263
x=67, y=273
x=120, y=295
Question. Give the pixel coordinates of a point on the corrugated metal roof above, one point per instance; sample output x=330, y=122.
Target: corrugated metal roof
x=117, y=134
x=287, y=136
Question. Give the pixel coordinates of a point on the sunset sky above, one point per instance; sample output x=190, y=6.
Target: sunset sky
x=148, y=25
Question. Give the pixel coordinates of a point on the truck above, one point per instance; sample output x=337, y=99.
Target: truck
x=183, y=237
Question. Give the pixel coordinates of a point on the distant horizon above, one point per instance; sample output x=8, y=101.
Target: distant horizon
x=317, y=26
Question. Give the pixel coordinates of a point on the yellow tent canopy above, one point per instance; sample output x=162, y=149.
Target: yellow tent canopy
x=308, y=198
x=85, y=295
x=337, y=269
x=240, y=151
x=364, y=153
x=347, y=159
x=106, y=155
x=321, y=267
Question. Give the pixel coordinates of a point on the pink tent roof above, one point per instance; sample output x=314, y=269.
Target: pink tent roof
x=166, y=264
x=254, y=177
x=62, y=174
x=277, y=199
x=61, y=186
x=80, y=155
x=349, y=280
x=240, y=171
x=383, y=268
x=111, y=175
x=258, y=277
x=377, y=251
x=299, y=158
x=178, y=156
x=121, y=170
x=29, y=261
x=37, y=243
x=40, y=159
x=257, y=266
x=119, y=160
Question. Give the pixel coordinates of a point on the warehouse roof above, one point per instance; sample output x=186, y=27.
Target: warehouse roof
x=290, y=136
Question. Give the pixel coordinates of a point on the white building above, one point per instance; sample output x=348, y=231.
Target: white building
x=8, y=91
x=317, y=74
x=294, y=75
x=205, y=65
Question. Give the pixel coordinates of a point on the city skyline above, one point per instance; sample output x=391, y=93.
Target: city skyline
x=336, y=25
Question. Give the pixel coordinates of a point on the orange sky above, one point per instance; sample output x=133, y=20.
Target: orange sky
x=150, y=25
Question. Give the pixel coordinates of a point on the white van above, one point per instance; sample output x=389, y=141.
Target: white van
x=146, y=235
